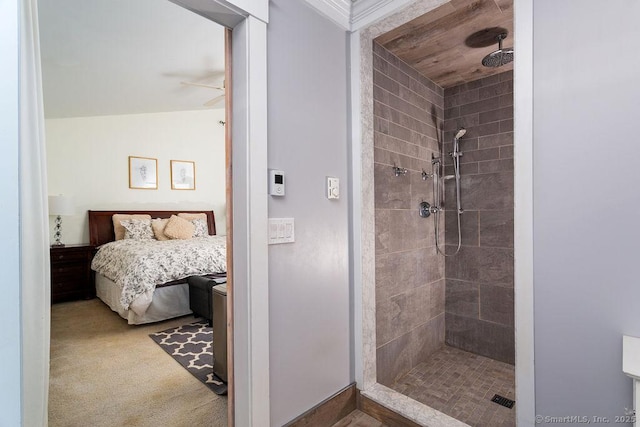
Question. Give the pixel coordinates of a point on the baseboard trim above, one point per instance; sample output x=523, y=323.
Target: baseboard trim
x=329, y=411
x=381, y=413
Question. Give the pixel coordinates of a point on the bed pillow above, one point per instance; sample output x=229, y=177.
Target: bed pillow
x=179, y=228
x=191, y=216
x=118, y=229
x=158, y=226
x=137, y=229
x=201, y=229
x=199, y=220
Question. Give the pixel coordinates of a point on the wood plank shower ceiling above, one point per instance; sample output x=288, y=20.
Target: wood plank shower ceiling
x=434, y=43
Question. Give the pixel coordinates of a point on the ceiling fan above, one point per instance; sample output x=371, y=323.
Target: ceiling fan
x=214, y=101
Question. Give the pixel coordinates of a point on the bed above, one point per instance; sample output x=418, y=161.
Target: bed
x=146, y=282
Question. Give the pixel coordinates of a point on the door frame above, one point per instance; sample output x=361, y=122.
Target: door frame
x=363, y=230
x=250, y=330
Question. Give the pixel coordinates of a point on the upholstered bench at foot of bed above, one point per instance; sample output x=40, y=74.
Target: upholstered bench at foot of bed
x=200, y=295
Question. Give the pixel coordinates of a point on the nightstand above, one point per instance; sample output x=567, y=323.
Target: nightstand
x=71, y=275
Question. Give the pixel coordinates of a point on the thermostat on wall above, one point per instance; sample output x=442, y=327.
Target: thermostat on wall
x=276, y=182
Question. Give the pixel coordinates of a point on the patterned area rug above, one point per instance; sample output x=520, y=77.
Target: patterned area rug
x=190, y=346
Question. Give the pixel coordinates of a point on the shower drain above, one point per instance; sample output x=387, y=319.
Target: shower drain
x=500, y=400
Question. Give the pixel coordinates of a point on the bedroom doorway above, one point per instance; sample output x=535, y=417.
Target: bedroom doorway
x=223, y=123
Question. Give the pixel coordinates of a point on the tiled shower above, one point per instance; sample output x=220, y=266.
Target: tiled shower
x=423, y=299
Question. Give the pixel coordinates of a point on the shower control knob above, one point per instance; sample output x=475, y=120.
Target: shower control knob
x=424, y=210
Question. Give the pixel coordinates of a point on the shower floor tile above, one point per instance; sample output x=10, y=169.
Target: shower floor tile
x=461, y=384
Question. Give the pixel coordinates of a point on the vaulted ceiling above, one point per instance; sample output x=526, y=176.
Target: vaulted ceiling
x=106, y=57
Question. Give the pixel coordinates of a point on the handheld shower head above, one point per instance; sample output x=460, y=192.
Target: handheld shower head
x=460, y=133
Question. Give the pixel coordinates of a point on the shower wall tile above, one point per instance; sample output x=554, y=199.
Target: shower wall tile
x=506, y=152
x=437, y=300
x=506, y=126
x=465, y=169
x=474, y=156
x=479, y=106
x=396, y=273
x=495, y=115
x=463, y=298
x=506, y=100
x=384, y=87
x=479, y=280
x=497, y=140
x=394, y=359
x=390, y=190
x=427, y=339
x=497, y=341
x=381, y=125
x=402, y=229
x=483, y=191
x=451, y=113
x=493, y=166
x=468, y=226
x=410, y=292
x=481, y=264
x=466, y=121
x=491, y=91
x=496, y=228
x=485, y=338
x=389, y=158
x=496, y=304
x=507, y=75
x=382, y=231
x=391, y=318
x=461, y=98
x=397, y=357
x=421, y=189
x=430, y=267
x=403, y=312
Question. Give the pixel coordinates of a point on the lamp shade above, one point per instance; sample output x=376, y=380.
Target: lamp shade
x=61, y=205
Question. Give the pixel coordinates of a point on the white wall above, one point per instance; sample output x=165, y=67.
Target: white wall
x=310, y=348
x=586, y=203
x=11, y=390
x=87, y=158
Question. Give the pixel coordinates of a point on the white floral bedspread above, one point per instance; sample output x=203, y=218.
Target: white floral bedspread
x=137, y=266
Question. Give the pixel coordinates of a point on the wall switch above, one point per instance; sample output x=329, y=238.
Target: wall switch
x=333, y=188
x=281, y=230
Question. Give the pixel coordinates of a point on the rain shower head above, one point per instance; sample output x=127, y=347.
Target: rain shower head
x=460, y=133
x=499, y=57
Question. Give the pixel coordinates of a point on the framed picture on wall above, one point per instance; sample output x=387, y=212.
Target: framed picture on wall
x=183, y=175
x=143, y=173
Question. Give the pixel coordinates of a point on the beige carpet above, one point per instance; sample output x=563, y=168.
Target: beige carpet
x=107, y=373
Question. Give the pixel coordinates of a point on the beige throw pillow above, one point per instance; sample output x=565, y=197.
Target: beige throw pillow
x=118, y=228
x=179, y=228
x=158, y=226
x=199, y=220
x=191, y=216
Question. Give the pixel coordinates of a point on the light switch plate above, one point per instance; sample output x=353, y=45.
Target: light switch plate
x=281, y=230
x=333, y=188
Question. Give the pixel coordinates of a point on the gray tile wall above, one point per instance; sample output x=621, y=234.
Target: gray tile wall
x=410, y=281
x=479, y=279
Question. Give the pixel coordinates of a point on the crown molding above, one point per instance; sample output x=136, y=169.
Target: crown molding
x=366, y=12
x=353, y=16
x=339, y=11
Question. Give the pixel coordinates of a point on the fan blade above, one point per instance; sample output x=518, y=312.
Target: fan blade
x=201, y=85
x=214, y=101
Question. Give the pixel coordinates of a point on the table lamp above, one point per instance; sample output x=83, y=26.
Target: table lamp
x=59, y=206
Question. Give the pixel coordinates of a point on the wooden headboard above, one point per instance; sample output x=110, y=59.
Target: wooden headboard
x=101, y=223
